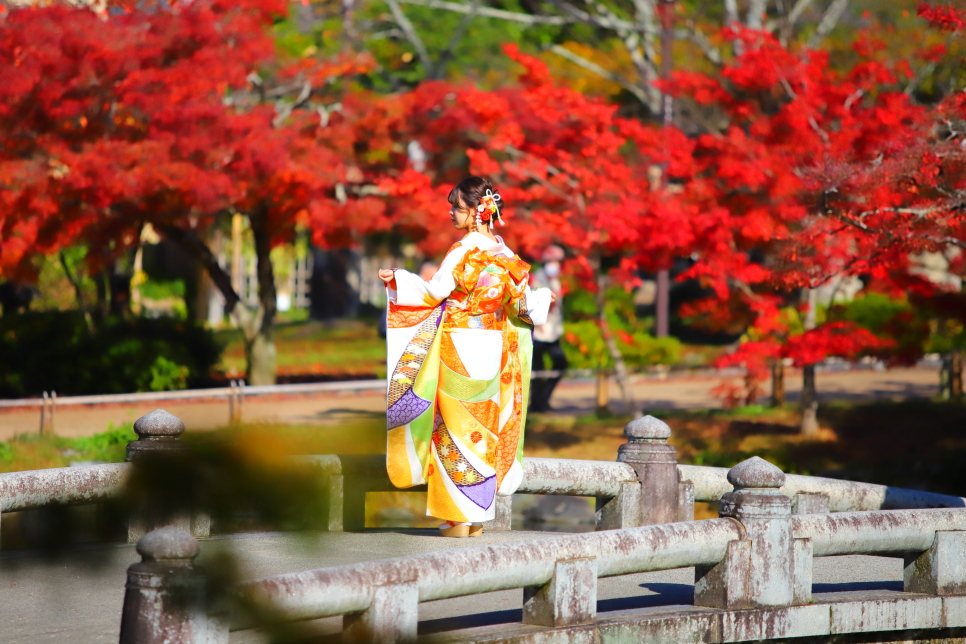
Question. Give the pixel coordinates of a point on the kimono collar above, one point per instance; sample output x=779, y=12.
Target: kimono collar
x=483, y=242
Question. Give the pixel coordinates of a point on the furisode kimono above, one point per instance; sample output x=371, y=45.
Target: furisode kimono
x=458, y=361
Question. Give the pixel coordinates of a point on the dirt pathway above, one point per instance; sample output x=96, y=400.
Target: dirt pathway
x=576, y=397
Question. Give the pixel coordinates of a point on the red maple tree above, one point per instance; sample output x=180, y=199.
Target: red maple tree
x=172, y=115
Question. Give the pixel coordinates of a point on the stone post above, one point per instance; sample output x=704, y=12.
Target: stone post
x=768, y=567
x=503, y=519
x=622, y=511
x=568, y=599
x=391, y=618
x=941, y=570
x=656, y=464
x=158, y=438
x=164, y=599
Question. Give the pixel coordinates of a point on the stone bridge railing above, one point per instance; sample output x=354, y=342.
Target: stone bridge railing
x=753, y=580
x=645, y=486
x=752, y=565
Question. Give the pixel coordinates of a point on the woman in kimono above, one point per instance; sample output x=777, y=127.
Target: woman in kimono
x=458, y=360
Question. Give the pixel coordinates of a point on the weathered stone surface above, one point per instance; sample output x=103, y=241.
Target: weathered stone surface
x=954, y=612
x=803, y=559
x=311, y=594
x=685, y=501
x=883, y=532
x=811, y=624
x=568, y=599
x=810, y=503
x=726, y=585
x=62, y=485
x=663, y=625
x=167, y=544
x=776, y=623
x=882, y=611
x=158, y=436
x=755, y=472
x=623, y=511
x=390, y=619
x=647, y=428
x=655, y=463
x=765, y=515
x=157, y=424
x=164, y=601
x=711, y=483
x=503, y=519
x=941, y=570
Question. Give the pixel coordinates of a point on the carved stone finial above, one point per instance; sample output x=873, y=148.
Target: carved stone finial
x=168, y=544
x=755, y=472
x=158, y=424
x=647, y=428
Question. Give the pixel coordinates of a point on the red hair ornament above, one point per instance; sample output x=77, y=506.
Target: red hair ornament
x=489, y=210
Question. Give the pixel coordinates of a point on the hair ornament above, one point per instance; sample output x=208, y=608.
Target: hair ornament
x=488, y=210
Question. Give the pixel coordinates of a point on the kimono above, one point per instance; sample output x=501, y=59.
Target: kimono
x=458, y=361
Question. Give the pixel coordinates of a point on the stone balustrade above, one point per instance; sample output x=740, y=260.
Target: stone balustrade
x=646, y=486
x=753, y=579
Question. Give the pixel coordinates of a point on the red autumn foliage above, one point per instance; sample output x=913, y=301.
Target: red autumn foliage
x=809, y=173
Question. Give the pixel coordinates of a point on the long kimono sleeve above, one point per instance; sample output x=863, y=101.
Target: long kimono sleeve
x=537, y=304
x=412, y=290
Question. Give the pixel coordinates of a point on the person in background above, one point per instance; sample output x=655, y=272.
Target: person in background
x=546, y=337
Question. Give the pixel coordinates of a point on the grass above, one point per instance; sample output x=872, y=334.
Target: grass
x=349, y=348
x=35, y=452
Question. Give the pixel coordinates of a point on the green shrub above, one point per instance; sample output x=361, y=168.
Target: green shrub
x=56, y=351
x=109, y=446
x=166, y=375
x=583, y=343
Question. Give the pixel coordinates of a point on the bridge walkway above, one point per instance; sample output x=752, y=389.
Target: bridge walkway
x=76, y=596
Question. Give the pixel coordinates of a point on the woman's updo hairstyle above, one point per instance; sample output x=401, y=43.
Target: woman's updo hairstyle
x=471, y=189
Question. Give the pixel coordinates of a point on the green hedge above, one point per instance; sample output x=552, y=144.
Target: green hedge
x=583, y=342
x=57, y=351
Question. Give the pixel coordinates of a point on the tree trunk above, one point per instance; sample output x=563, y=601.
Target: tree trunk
x=120, y=291
x=809, y=402
x=620, y=367
x=956, y=376
x=102, y=288
x=777, y=383
x=603, y=398
x=809, y=394
x=255, y=323
x=75, y=281
x=945, y=381
x=259, y=339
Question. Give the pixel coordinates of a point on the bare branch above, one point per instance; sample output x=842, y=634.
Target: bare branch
x=698, y=37
x=811, y=120
x=411, y=35
x=829, y=19
x=284, y=110
x=853, y=97
x=589, y=65
x=605, y=22
x=756, y=9
x=454, y=41
x=797, y=11
x=489, y=12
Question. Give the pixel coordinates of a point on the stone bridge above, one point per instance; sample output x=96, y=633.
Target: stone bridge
x=790, y=558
